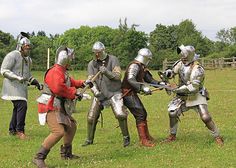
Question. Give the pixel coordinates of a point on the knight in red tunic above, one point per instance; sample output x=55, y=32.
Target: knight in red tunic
x=58, y=101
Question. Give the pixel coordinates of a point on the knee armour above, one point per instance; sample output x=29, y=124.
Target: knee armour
x=175, y=107
x=118, y=107
x=174, y=113
x=94, y=111
x=204, y=114
x=206, y=118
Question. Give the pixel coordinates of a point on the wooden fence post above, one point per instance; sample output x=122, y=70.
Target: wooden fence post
x=233, y=62
x=221, y=63
x=215, y=63
x=48, y=59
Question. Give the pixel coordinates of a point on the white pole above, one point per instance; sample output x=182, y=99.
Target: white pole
x=48, y=58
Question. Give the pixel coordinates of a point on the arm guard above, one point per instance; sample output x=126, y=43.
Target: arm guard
x=12, y=76
x=149, y=79
x=131, y=77
x=95, y=90
x=115, y=74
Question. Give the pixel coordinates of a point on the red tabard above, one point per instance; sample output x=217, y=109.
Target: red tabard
x=55, y=79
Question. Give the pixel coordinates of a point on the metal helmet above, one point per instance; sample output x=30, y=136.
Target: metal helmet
x=99, y=48
x=144, y=56
x=187, y=54
x=64, y=56
x=22, y=39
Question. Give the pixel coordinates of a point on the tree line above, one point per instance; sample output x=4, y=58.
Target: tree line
x=124, y=42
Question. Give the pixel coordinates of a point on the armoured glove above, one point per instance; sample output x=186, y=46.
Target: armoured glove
x=39, y=86
x=146, y=90
x=79, y=95
x=109, y=74
x=103, y=69
x=168, y=73
x=95, y=91
x=36, y=83
x=21, y=79
x=88, y=82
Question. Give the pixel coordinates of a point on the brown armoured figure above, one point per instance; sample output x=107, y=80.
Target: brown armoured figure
x=137, y=73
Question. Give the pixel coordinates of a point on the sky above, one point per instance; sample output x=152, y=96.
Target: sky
x=57, y=16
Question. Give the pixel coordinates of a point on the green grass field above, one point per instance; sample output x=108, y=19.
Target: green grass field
x=194, y=147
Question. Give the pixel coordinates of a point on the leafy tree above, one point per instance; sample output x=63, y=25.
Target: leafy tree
x=227, y=36
x=39, y=51
x=7, y=44
x=164, y=37
x=123, y=42
x=41, y=33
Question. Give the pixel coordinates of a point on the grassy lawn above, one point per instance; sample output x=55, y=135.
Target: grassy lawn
x=194, y=146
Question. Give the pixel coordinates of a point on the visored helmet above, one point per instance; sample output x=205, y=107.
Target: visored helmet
x=187, y=54
x=64, y=56
x=22, y=39
x=99, y=50
x=144, y=56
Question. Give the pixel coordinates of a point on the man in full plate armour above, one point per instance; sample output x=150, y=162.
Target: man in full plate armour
x=190, y=93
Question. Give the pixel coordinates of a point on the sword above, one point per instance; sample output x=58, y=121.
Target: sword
x=165, y=79
x=156, y=85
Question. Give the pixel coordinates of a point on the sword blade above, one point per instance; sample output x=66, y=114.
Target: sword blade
x=155, y=85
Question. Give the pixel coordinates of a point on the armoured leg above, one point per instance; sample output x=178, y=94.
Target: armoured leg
x=92, y=120
x=124, y=129
x=173, y=130
x=175, y=108
x=173, y=118
x=121, y=114
x=40, y=157
x=206, y=118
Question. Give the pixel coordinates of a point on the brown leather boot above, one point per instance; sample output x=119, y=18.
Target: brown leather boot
x=66, y=153
x=40, y=157
x=21, y=135
x=144, y=141
x=149, y=137
x=170, y=138
x=219, y=141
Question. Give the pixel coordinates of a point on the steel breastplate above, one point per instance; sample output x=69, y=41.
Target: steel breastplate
x=184, y=74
